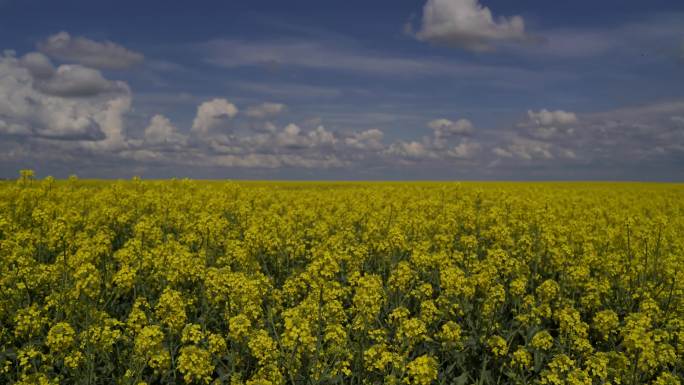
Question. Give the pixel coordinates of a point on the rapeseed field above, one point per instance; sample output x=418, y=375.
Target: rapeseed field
x=191, y=282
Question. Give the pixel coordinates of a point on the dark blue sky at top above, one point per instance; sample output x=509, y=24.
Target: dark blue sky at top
x=154, y=21
x=639, y=62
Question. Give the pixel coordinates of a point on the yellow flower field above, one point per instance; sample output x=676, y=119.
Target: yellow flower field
x=173, y=282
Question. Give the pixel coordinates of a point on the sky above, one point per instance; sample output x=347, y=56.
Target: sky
x=348, y=90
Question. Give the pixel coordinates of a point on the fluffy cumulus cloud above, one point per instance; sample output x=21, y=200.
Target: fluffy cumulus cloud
x=635, y=136
x=212, y=115
x=207, y=144
x=638, y=133
x=547, y=118
x=545, y=124
x=112, y=125
x=38, y=65
x=444, y=129
x=450, y=140
x=411, y=150
x=161, y=131
x=37, y=100
x=76, y=81
x=293, y=137
x=76, y=49
x=527, y=149
x=464, y=150
x=66, y=80
x=541, y=136
x=366, y=140
x=265, y=110
x=467, y=24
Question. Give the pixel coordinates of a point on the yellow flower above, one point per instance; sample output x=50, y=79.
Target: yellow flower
x=239, y=327
x=667, y=378
x=26, y=355
x=217, y=344
x=522, y=359
x=195, y=364
x=597, y=365
x=606, y=322
x=367, y=301
x=262, y=346
x=518, y=287
x=422, y=371
x=398, y=315
x=498, y=346
x=160, y=361
x=192, y=333
x=542, y=341
x=137, y=319
x=171, y=309
x=548, y=291
x=28, y=321
x=379, y=358
x=150, y=340
x=450, y=335
x=412, y=331
x=74, y=359
x=60, y=337
x=125, y=278
x=558, y=371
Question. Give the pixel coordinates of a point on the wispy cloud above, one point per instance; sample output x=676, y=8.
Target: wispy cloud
x=331, y=56
x=288, y=90
x=96, y=54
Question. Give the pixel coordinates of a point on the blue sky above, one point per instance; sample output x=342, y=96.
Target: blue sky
x=430, y=89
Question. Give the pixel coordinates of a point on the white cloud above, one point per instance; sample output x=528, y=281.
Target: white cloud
x=292, y=136
x=161, y=131
x=276, y=161
x=547, y=118
x=323, y=55
x=502, y=153
x=321, y=136
x=103, y=55
x=567, y=153
x=634, y=133
x=546, y=124
x=411, y=150
x=366, y=140
x=38, y=64
x=467, y=24
x=464, y=150
x=26, y=109
x=212, y=115
x=526, y=149
x=76, y=81
x=270, y=127
x=316, y=55
x=66, y=80
x=265, y=110
x=445, y=127
x=112, y=125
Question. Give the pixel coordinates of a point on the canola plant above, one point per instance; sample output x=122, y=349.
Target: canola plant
x=189, y=282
